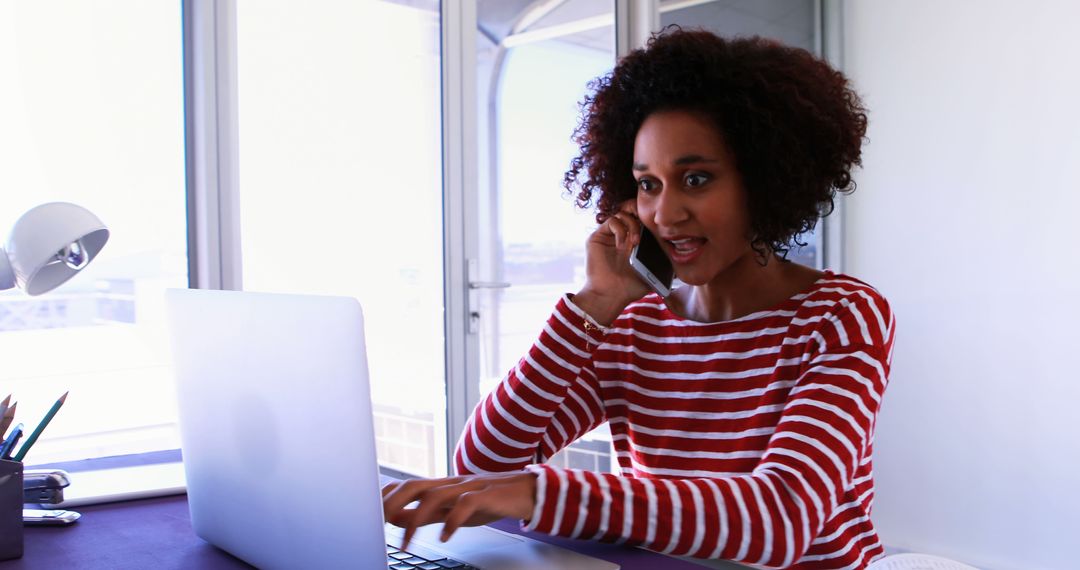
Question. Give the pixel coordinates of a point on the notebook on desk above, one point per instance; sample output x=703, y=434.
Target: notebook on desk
x=278, y=440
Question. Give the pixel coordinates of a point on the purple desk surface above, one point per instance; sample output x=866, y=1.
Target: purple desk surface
x=148, y=533
x=156, y=533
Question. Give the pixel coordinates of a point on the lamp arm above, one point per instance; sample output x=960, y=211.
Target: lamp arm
x=7, y=273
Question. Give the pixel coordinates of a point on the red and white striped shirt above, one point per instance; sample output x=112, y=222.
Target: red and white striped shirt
x=747, y=440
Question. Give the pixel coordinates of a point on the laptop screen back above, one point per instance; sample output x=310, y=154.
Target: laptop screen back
x=276, y=427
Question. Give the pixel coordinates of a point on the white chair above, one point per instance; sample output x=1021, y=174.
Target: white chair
x=912, y=561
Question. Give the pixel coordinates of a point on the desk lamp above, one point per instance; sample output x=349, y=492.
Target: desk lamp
x=49, y=245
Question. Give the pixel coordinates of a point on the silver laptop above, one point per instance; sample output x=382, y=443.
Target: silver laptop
x=278, y=440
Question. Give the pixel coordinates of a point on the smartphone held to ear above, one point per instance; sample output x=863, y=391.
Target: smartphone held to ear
x=652, y=264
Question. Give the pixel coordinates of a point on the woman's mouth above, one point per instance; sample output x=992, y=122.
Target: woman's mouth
x=685, y=249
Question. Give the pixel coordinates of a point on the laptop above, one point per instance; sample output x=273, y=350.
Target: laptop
x=279, y=447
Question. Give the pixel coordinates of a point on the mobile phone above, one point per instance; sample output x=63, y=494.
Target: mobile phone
x=652, y=264
x=41, y=517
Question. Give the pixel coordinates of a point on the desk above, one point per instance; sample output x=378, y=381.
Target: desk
x=156, y=533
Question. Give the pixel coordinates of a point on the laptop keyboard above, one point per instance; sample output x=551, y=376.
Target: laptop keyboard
x=397, y=559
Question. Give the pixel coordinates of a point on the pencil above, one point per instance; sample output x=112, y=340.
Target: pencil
x=3, y=413
x=40, y=428
x=7, y=418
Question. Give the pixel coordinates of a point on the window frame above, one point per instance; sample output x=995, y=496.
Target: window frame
x=211, y=144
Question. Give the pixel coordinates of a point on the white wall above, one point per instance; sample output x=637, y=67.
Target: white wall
x=966, y=218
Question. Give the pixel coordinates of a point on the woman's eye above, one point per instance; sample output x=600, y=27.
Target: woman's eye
x=694, y=180
x=646, y=185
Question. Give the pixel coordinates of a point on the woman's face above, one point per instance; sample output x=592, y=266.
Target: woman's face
x=690, y=194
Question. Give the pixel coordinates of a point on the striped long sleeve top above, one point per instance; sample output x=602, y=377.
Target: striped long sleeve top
x=748, y=440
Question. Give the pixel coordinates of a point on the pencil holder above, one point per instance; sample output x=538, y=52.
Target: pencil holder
x=11, y=505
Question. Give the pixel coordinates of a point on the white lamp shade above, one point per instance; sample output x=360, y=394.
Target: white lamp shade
x=44, y=231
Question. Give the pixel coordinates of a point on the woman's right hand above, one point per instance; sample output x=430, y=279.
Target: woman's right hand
x=610, y=283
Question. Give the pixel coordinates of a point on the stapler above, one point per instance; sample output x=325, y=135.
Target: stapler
x=45, y=487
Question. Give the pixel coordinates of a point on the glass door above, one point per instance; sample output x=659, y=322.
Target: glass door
x=534, y=66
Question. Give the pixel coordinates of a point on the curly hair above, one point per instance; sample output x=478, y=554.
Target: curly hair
x=792, y=122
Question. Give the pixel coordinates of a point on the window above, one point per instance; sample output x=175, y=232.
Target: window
x=92, y=113
x=340, y=169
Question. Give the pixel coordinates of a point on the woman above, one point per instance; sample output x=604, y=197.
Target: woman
x=742, y=407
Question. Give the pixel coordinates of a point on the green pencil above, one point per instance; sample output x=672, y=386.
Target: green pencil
x=40, y=428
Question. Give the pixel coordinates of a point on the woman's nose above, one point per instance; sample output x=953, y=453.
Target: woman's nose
x=669, y=209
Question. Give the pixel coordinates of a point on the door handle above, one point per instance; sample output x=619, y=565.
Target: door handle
x=488, y=285
x=472, y=312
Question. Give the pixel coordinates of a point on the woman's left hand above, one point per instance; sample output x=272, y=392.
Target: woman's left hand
x=471, y=500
